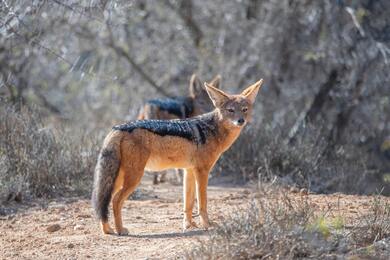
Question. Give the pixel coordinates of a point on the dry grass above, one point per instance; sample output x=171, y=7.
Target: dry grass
x=373, y=226
x=279, y=226
x=37, y=160
x=273, y=226
x=264, y=155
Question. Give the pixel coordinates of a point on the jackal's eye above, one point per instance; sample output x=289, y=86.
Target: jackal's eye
x=245, y=109
x=230, y=110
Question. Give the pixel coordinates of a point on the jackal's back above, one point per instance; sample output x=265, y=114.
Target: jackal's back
x=196, y=129
x=181, y=107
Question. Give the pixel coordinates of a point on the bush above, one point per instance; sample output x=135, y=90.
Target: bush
x=272, y=227
x=373, y=226
x=265, y=155
x=38, y=160
x=277, y=225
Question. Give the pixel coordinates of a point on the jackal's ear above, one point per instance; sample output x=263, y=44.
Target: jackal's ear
x=251, y=91
x=216, y=81
x=216, y=95
x=195, y=86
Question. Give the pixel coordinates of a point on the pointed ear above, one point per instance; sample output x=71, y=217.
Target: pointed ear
x=217, y=96
x=251, y=91
x=216, y=81
x=195, y=85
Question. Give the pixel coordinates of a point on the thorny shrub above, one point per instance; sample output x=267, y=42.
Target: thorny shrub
x=39, y=160
x=276, y=225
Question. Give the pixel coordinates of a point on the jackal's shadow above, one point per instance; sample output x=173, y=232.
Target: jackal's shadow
x=189, y=233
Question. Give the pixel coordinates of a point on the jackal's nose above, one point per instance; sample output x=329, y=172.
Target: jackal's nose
x=241, y=121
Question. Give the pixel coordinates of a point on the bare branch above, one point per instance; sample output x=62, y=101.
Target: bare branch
x=123, y=53
x=46, y=102
x=185, y=13
x=310, y=113
x=355, y=21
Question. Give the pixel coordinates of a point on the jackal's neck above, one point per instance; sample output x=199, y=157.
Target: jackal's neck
x=227, y=134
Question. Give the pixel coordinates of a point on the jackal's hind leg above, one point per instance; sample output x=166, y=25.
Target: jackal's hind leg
x=155, y=178
x=130, y=183
x=179, y=174
x=160, y=177
x=163, y=176
x=189, y=199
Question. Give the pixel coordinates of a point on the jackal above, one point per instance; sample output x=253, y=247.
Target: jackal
x=194, y=144
x=181, y=107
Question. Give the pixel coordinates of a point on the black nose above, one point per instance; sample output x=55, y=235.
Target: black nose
x=241, y=121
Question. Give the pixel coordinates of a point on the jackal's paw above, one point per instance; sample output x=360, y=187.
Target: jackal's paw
x=123, y=232
x=189, y=224
x=108, y=231
x=205, y=223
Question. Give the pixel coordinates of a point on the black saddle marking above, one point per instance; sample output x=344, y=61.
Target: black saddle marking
x=179, y=106
x=195, y=129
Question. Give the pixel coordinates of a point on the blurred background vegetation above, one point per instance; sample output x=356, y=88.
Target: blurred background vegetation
x=71, y=69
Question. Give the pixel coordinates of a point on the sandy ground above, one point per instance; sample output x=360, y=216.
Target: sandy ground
x=154, y=222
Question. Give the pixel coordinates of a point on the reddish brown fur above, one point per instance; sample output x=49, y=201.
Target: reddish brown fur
x=200, y=102
x=142, y=149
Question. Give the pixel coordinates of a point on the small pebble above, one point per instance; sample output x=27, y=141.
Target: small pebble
x=78, y=227
x=53, y=228
x=303, y=191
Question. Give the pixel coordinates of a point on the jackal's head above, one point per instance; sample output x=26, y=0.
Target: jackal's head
x=201, y=100
x=234, y=110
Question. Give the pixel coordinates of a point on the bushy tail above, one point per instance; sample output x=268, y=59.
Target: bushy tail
x=106, y=171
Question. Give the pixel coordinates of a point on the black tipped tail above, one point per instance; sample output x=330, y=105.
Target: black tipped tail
x=105, y=173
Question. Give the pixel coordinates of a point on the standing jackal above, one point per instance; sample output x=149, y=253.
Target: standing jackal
x=181, y=107
x=194, y=144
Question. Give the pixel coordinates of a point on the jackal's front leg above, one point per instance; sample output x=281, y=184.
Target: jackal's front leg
x=188, y=198
x=202, y=178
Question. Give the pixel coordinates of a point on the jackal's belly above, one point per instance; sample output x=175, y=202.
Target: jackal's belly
x=164, y=162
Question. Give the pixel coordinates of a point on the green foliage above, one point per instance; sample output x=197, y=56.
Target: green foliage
x=325, y=226
x=312, y=56
x=320, y=225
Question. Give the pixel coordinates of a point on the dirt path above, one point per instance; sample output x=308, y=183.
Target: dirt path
x=154, y=222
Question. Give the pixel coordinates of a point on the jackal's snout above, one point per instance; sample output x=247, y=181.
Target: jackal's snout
x=241, y=121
